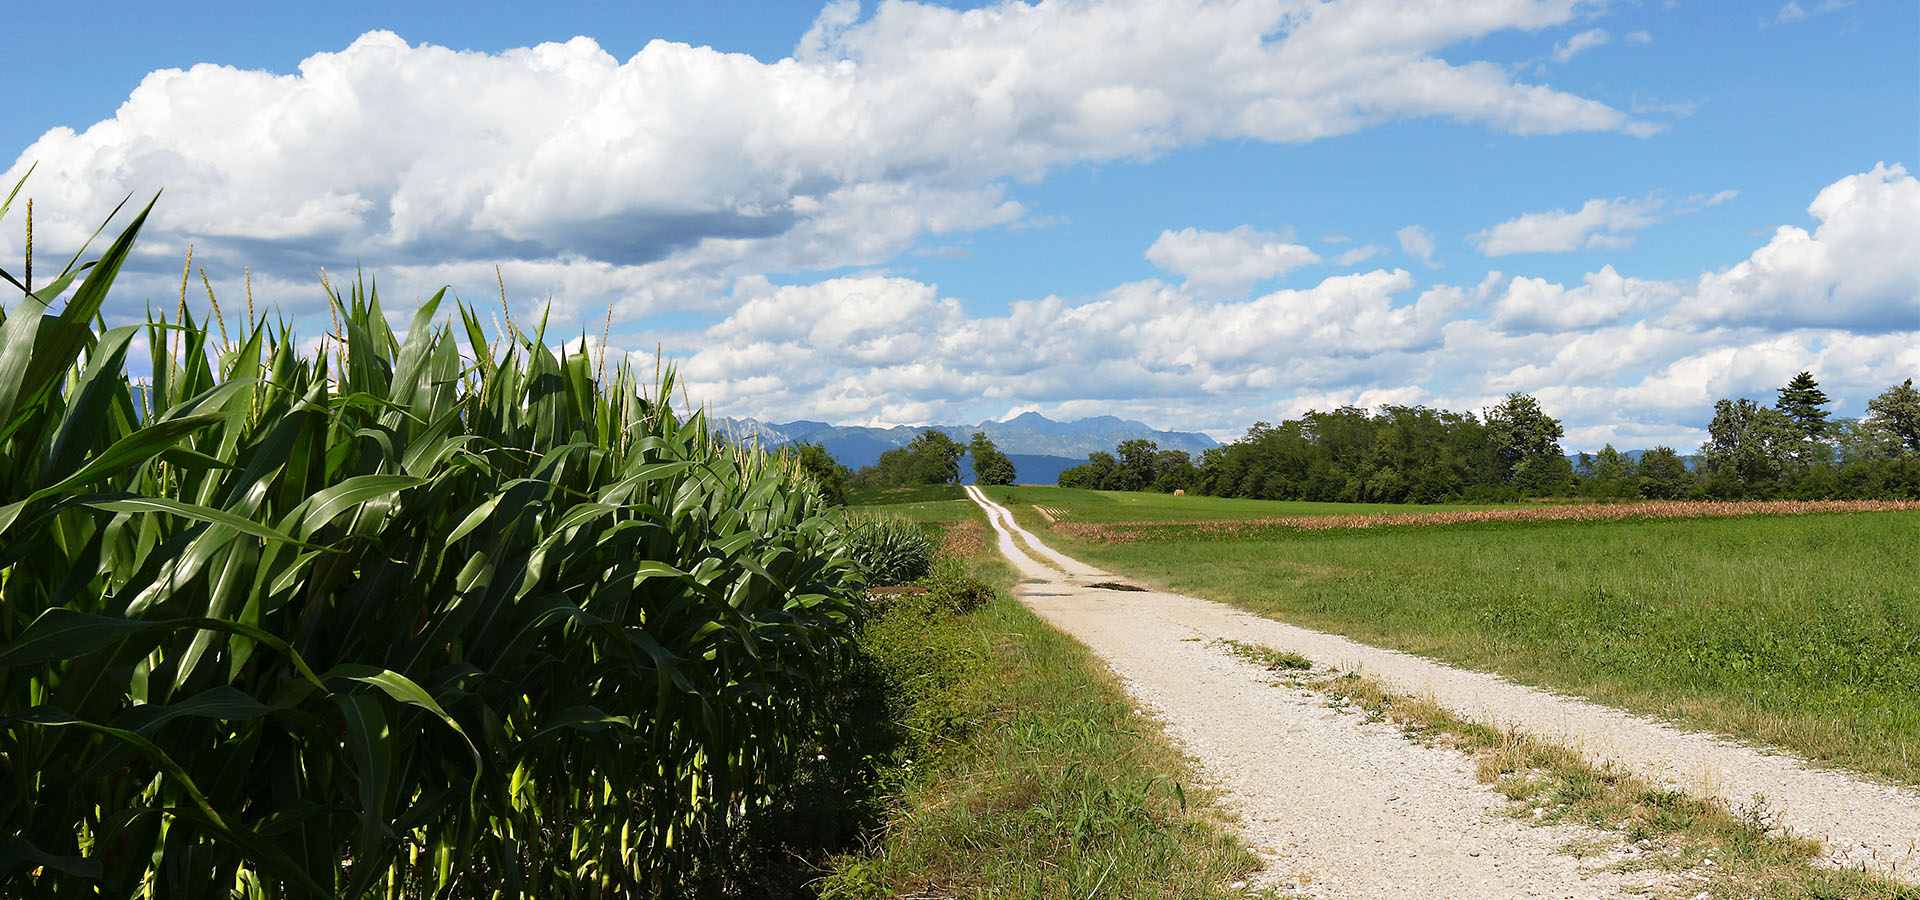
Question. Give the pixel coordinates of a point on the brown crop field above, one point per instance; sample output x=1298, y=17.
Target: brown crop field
x=1129, y=532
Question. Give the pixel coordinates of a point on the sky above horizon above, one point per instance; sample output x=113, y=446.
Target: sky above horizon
x=1195, y=214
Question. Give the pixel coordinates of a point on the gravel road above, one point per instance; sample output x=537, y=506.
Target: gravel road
x=1342, y=808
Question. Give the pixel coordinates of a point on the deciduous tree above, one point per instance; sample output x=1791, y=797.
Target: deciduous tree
x=1749, y=448
x=1897, y=410
x=1663, y=474
x=1136, y=465
x=1093, y=475
x=990, y=466
x=827, y=473
x=1527, y=441
x=936, y=458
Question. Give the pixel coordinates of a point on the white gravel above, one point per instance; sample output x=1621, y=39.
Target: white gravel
x=1345, y=809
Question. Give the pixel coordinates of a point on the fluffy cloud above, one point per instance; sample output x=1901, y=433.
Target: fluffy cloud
x=1358, y=255
x=1794, y=12
x=683, y=167
x=1585, y=40
x=1620, y=359
x=1859, y=269
x=1600, y=224
x=878, y=336
x=1227, y=263
x=1539, y=306
x=1418, y=243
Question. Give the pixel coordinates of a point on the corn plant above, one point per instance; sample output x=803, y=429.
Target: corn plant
x=385, y=619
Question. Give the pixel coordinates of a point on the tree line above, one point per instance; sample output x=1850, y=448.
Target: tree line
x=1792, y=448
x=932, y=458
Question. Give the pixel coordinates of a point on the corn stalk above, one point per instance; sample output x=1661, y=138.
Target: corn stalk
x=402, y=623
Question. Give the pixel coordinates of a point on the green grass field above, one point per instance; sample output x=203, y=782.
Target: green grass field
x=1798, y=631
x=1128, y=506
x=918, y=493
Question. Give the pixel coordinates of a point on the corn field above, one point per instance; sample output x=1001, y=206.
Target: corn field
x=386, y=619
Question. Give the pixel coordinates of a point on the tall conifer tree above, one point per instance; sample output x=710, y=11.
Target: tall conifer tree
x=1804, y=403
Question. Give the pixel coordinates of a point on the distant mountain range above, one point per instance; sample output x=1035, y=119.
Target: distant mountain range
x=1039, y=447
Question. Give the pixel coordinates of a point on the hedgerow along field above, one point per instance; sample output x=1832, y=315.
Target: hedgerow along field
x=1802, y=631
x=383, y=620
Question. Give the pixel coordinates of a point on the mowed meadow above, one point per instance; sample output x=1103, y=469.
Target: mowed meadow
x=1800, y=631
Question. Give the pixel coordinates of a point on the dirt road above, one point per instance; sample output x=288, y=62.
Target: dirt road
x=1341, y=808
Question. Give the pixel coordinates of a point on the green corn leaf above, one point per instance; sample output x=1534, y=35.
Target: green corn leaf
x=400, y=688
x=129, y=503
x=52, y=290
x=258, y=848
x=127, y=452
x=99, y=385
x=473, y=519
x=20, y=853
x=581, y=718
x=322, y=507
x=61, y=633
x=74, y=331
x=17, y=336
x=224, y=702
x=56, y=718
x=372, y=747
x=413, y=353
x=4, y=204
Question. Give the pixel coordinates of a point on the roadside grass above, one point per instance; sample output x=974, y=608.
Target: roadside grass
x=1700, y=846
x=1028, y=773
x=1801, y=632
x=1147, y=506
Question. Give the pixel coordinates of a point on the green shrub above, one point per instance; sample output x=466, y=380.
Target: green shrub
x=889, y=550
x=952, y=590
x=921, y=646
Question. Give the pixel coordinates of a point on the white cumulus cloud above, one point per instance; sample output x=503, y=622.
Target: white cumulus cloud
x=1606, y=297
x=1579, y=43
x=1358, y=255
x=1227, y=263
x=684, y=168
x=1859, y=269
x=1620, y=359
x=1599, y=224
x=1418, y=243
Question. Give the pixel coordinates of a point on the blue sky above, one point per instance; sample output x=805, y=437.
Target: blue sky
x=1199, y=215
